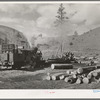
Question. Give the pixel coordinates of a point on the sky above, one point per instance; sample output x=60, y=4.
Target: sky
x=33, y=19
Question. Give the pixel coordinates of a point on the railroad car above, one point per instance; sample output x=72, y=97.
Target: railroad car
x=18, y=57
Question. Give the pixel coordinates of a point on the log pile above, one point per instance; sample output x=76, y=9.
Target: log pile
x=78, y=76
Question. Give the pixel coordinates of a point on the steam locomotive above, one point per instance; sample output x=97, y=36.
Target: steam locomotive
x=16, y=57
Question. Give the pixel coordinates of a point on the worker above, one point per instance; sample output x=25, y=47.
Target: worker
x=39, y=58
x=32, y=62
x=36, y=58
x=32, y=59
x=92, y=62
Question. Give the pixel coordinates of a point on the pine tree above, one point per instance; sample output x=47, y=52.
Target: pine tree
x=61, y=15
x=61, y=19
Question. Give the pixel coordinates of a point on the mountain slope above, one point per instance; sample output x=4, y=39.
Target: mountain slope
x=13, y=36
x=87, y=43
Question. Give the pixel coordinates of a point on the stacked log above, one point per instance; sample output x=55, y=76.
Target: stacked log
x=96, y=73
x=86, y=80
x=89, y=69
x=74, y=76
x=61, y=66
x=81, y=75
x=68, y=72
x=48, y=78
x=89, y=76
x=66, y=79
x=62, y=77
x=79, y=80
x=85, y=70
x=75, y=72
x=80, y=70
x=70, y=79
x=97, y=67
x=57, y=76
x=92, y=76
x=93, y=79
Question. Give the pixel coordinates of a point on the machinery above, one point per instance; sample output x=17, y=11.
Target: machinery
x=18, y=57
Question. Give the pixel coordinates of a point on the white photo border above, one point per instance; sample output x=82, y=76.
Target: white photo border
x=49, y=93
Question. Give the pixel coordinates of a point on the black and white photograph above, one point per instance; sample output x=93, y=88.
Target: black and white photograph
x=49, y=45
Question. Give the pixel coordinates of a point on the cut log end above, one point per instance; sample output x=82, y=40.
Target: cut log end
x=80, y=70
x=95, y=74
x=48, y=78
x=74, y=76
x=86, y=80
x=68, y=72
x=61, y=77
x=70, y=80
x=52, y=66
x=66, y=79
x=89, y=76
x=53, y=77
x=79, y=81
x=75, y=72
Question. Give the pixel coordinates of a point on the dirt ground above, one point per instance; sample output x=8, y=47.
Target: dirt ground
x=22, y=79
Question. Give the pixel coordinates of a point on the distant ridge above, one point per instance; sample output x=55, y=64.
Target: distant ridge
x=88, y=43
x=13, y=36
